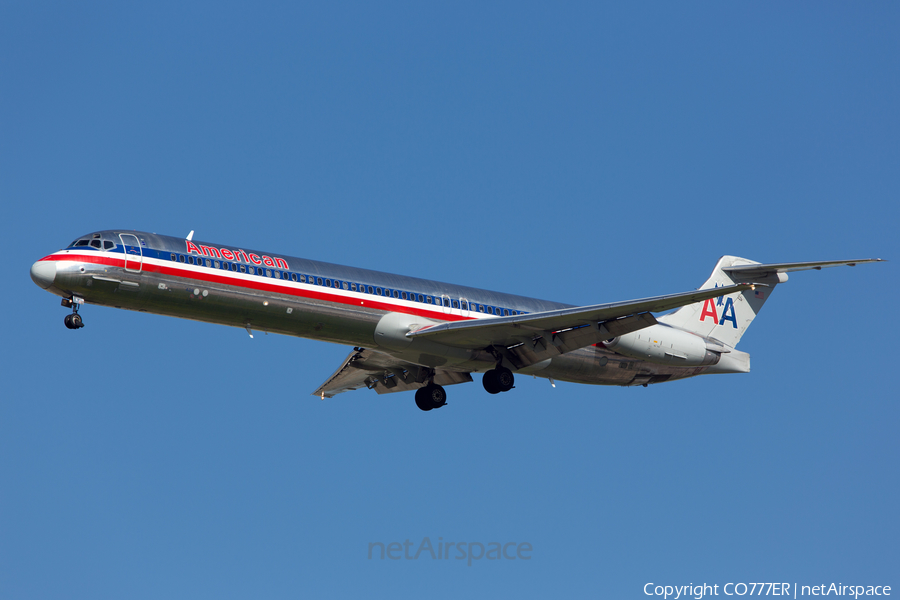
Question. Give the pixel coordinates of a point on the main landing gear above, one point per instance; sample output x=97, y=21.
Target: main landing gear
x=431, y=396
x=495, y=381
x=74, y=320
x=498, y=380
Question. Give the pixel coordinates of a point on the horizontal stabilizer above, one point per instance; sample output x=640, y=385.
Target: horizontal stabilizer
x=756, y=270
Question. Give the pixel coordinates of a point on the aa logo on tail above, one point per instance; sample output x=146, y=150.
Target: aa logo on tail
x=727, y=304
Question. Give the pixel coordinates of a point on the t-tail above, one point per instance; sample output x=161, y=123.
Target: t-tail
x=706, y=333
x=726, y=318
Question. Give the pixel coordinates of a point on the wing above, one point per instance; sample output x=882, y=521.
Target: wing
x=371, y=369
x=527, y=339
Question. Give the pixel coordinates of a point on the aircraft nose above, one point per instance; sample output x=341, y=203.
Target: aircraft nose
x=43, y=273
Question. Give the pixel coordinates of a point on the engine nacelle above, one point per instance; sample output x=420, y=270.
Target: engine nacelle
x=664, y=345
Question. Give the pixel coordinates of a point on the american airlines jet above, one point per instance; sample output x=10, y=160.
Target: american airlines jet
x=418, y=334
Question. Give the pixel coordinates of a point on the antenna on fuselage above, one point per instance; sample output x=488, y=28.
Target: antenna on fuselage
x=190, y=235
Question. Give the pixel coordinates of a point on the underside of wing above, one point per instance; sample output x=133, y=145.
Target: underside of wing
x=527, y=339
x=365, y=368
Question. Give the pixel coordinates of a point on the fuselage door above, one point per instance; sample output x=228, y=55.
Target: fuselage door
x=464, y=307
x=134, y=256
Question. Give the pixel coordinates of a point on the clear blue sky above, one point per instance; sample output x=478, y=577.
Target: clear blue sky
x=583, y=154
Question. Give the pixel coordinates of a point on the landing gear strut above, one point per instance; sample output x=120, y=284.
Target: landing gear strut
x=74, y=320
x=431, y=396
x=498, y=380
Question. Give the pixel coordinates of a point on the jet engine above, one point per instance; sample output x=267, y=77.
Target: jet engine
x=666, y=346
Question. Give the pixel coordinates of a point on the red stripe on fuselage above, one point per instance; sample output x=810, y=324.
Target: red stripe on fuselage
x=259, y=286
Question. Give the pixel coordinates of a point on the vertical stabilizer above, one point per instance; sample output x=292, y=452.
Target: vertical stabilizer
x=726, y=318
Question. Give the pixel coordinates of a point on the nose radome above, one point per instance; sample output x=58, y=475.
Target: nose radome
x=43, y=272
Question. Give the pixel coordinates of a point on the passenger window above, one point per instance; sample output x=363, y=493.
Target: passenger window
x=293, y=277
x=455, y=304
x=217, y=264
x=181, y=257
x=480, y=308
x=208, y=263
x=347, y=286
x=428, y=299
x=371, y=290
x=403, y=295
x=378, y=291
x=352, y=287
x=233, y=266
x=505, y=312
x=243, y=269
x=319, y=280
x=396, y=294
x=173, y=259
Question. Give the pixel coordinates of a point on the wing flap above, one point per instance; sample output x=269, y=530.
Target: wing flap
x=365, y=368
x=550, y=344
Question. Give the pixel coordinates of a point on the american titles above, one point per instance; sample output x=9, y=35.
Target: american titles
x=237, y=255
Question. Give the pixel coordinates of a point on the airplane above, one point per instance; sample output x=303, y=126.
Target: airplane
x=417, y=334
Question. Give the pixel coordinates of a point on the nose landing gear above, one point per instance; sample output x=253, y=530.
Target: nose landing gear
x=74, y=320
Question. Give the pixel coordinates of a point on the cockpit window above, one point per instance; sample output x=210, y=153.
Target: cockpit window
x=82, y=243
x=108, y=245
x=95, y=244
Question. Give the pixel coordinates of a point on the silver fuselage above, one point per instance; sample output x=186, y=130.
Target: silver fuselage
x=304, y=298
